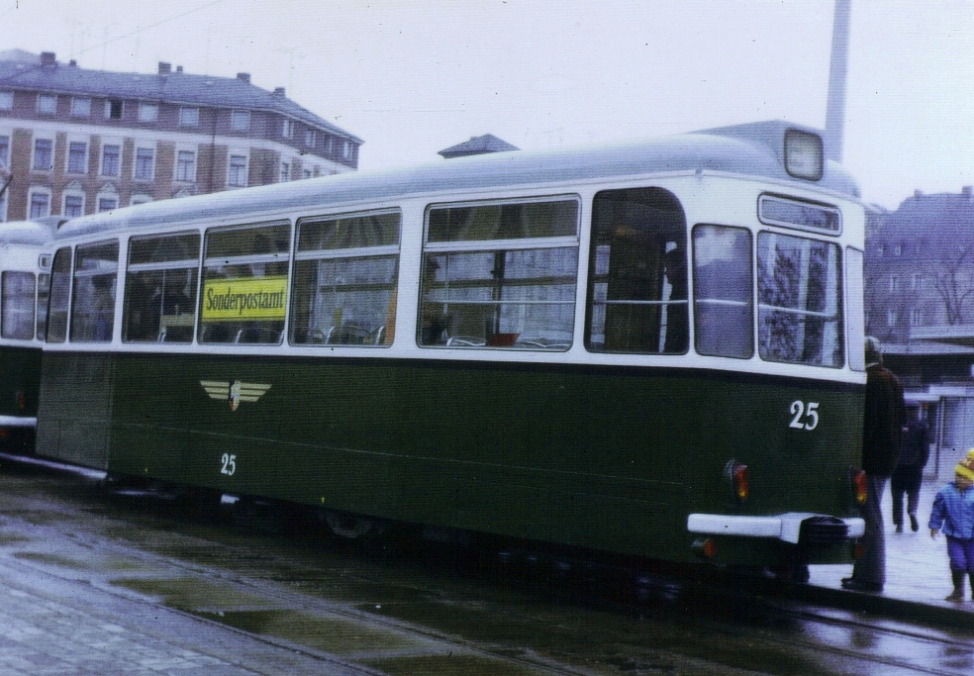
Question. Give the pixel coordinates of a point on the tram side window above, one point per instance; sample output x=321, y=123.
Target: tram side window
x=637, y=296
x=17, y=311
x=799, y=300
x=60, y=295
x=722, y=298
x=500, y=275
x=93, y=297
x=245, y=284
x=345, y=276
x=160, y=288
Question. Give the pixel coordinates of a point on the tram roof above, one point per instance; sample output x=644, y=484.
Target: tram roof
x=751, y=149
x=26, y=232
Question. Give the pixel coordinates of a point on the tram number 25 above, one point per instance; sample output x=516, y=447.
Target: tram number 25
x=804, y=416
x=229, y=464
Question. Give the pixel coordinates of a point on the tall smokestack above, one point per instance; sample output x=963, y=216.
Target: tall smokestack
x=838, y=74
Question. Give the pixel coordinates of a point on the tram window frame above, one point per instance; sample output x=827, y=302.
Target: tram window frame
x=345, y=279
x=59, y=298
x=260, y=276
x=161, y=284
x=94, y=292
x=17, y=304
x=637, y=282
x=788, y=327
x=43, y=298
x=720, y=289
x=469, y=298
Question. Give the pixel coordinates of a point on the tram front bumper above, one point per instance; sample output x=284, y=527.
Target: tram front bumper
x=784, y=527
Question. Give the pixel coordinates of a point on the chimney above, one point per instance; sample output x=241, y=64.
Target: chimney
x=179, y=69
x=48, y=59
x=73, y=63
x=968, y=192
x=244, y=77
x=165, y=68
x=279, y=91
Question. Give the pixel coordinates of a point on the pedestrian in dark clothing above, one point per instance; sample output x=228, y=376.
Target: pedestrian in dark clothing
x=914, y=452
x=883, y=420
x=953, y=512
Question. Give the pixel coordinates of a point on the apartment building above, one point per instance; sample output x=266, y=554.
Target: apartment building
x=75, y=141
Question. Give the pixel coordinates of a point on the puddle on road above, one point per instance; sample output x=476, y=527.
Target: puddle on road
x=190, y=594
x=340, y=637
x=50, y=559
x=451, y=665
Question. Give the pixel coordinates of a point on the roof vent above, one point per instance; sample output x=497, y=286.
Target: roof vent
x=48, y=59
x=279, y=91
x=244, y=77
x=165, y=68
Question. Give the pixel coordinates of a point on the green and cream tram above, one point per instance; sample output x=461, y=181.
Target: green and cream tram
x=652, y=349
x=21, y=243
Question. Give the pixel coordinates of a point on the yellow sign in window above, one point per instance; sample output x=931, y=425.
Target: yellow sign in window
x=250, y=298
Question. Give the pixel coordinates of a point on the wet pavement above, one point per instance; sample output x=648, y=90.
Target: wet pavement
x=91, y=603
x=917, y=570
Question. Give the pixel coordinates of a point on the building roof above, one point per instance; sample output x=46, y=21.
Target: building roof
x=478, y=145
x=46, y=74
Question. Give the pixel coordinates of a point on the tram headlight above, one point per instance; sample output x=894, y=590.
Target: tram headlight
x=859, y=486
x=737, y=473
x=804, y=154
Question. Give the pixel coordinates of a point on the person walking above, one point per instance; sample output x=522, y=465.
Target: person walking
x=953, y=512
x=914, y=452
x=883, y=420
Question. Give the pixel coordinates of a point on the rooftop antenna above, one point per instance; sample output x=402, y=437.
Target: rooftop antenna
x=838, y=72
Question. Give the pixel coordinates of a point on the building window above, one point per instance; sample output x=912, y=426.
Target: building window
x=186, y=165
x=43, y=154
x=240, y=120
x=310, y=137
x=916, y=317
x=74, y=206
x=80, y=107
x=143, y=163
x=305, y=173
x=347, y=150
x=110, y=156
x=77, y=157
x=113, y=109
x=916, y=281
x=107, y=203
x=894, y=284
x=891, y=318
x=6, y=100
x=898, y=250
x=4, y=150
x=285, y=172
x=287, y=128
x=40, y=204
x=46, y=104
x=237, y=173
x=189, y=117
x=148, y=112
x=140, y=199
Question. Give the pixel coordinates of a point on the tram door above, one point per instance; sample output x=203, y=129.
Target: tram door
x=638, y=273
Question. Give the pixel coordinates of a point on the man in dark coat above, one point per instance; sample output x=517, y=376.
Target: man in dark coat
x=884, y=417
x=914, y=452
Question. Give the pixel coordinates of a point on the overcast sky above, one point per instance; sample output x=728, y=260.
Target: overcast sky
x=412, y=77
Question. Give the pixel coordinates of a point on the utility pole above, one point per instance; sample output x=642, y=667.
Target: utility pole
x=838, y=74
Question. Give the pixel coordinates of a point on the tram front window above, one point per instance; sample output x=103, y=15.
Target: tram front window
x=638, y=273
x=17, y=311
x=799, y=300
x=722, y=291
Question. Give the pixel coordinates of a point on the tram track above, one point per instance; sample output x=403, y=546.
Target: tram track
x=515, y=626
